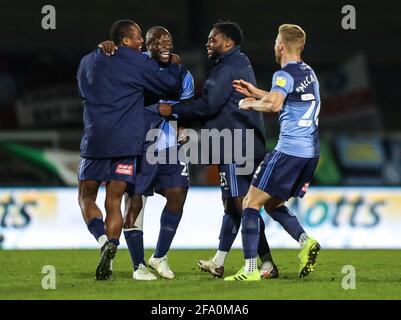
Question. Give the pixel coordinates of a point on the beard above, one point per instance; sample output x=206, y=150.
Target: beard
x=213, y=56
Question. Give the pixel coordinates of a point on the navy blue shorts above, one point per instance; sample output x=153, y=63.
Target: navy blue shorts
x=120, y=169
x=157, y=177
x=284, y=176
x=231, y=184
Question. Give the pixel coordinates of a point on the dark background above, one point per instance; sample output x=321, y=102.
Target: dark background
x=40, y=108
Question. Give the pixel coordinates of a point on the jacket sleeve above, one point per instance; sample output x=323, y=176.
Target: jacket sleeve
x=165, y=83
x=217, y=89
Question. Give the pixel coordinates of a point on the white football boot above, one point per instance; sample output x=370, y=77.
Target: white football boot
x=143, y=273
x=211, y=267
x=160, y=265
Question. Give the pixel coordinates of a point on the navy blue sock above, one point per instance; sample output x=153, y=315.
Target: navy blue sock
x=134, y=239
x=96, y=227
x=168, y=226
x=288, y=221
x=229, y=231
x=115, y=241
x=250, y=232
x=263, y=247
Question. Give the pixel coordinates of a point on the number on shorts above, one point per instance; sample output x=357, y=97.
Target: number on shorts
x=185, y=170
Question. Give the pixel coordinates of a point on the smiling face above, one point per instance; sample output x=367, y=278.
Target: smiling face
x=217, y=44
x=159, y=44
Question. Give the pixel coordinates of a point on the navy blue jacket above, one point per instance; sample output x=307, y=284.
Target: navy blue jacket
x=112, y=89
x=217, y=108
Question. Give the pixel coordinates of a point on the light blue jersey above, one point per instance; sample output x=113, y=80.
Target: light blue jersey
x=298, y=117
x=168, y=137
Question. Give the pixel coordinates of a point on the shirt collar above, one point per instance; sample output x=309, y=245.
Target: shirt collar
x=291, y=62
x=229, y=53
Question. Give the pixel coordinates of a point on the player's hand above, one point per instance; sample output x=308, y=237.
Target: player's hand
x=165, y=110
x=108, y=47
x=244, y=87
x=182, y=135
x=175, y=58
x=245, y=104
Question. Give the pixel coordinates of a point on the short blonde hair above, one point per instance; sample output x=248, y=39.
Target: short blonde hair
x=293, y=36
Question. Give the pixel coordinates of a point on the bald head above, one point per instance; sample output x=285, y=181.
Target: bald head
x=159, y=44
x=155, y=33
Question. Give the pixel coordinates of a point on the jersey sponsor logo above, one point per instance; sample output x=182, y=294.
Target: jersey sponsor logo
x=125, y=169
x=305, y=187
x=305, y=83
x=307, y=97
x=281, y=81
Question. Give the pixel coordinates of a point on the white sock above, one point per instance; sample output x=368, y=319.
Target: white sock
x=220, y=257
x=102, y=240
x=250, y=264
x=302, y=238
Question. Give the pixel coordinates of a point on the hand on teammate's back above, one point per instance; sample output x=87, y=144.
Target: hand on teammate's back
x=244, y=87
x=165, y=110
x=108, y=47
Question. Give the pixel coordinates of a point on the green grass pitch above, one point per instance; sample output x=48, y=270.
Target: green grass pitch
x=378, y=276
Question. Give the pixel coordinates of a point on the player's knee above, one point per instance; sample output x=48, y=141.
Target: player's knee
x=274, y=205
x=175, y=201
x=135, y=207
x=176, y=207
x=250, y=202
x=114, y=195
x=233, y=207
x=86, y=195
x=233, y=211
x=81, y=199
x=279, y=213
x=112, y=203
